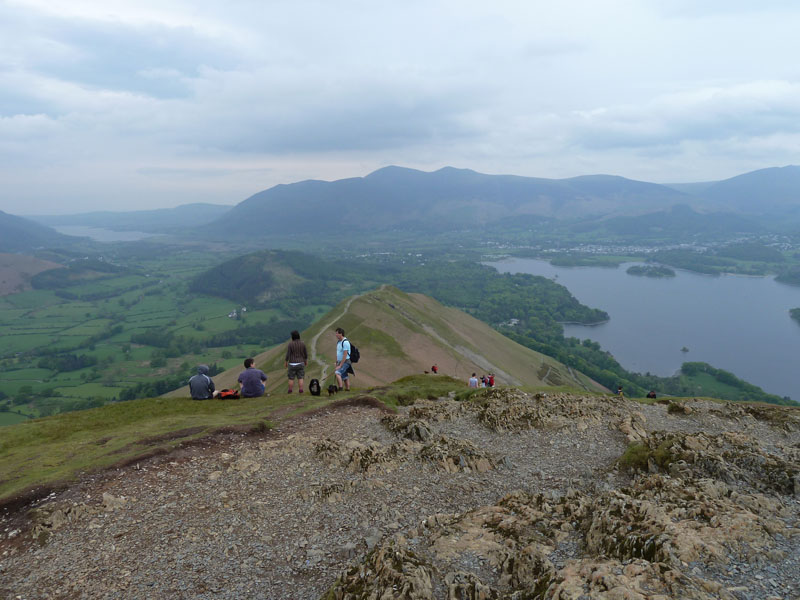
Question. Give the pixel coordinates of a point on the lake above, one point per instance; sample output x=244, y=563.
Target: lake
x=733, y=322
x=99, y=234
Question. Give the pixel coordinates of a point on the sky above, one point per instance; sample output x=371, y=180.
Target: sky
x=122, y=105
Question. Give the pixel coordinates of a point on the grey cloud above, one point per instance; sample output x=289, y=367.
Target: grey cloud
x=15, y=101
x=541, y=48
x=740, y=111
x=194, y=173
x=268, y=113
x=337, y=128
x=153, y=60
x=715, y=8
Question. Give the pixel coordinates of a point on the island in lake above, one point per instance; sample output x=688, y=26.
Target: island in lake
x=650, y=271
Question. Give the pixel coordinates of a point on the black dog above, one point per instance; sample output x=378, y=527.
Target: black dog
x=314, y=387
x=332, y=389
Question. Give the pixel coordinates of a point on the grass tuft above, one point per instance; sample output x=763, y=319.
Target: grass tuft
x=408, y=389
x=635, y=457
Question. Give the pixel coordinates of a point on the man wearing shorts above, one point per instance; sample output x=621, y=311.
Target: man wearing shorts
x=296, y=361
x=343, y=367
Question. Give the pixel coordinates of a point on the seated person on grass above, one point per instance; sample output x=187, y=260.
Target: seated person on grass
x=251, y=380
x=201, y=386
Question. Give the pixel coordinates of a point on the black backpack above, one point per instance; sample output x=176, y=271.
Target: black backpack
x=314, y=387
x=354, y=354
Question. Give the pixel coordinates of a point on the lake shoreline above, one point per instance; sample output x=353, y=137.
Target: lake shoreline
x=738, y=323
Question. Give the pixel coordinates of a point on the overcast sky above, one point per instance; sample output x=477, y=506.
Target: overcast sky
x=123, y=104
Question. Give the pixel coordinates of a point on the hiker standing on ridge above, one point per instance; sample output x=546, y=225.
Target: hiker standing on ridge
x=296, y=361
x=343, y=367
x=201, y=386
x=473, y=381
x=252, y=380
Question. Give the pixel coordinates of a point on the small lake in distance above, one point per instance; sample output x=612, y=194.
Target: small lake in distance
x=733, y=322
x=99, y=234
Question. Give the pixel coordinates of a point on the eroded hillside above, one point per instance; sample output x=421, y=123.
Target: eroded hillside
x=505, y=495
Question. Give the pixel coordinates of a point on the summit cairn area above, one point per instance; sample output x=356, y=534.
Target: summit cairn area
x=505, y=495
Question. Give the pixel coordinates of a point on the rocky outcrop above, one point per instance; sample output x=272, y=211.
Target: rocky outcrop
x=507, y=495
x=694, y=499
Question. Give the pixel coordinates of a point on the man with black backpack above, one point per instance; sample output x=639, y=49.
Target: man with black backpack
x=343, y=366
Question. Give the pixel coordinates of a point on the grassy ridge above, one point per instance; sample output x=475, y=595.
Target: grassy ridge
x=44, y=453
x=58, y=448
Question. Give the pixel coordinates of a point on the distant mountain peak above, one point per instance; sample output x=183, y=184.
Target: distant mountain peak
x=391, y=170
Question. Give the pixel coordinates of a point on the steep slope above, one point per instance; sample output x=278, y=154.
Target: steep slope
x=676, y=224
x=399, y=198
x=18, y=235
x=402, y=334
x=765, y=191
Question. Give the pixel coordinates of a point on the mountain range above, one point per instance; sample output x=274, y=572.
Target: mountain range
x=396, y=198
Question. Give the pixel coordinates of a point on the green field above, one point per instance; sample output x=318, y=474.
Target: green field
x=7, y=418
x=136, y=329
x=95, y=318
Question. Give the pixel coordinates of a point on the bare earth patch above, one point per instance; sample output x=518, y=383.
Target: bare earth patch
x=16, y=271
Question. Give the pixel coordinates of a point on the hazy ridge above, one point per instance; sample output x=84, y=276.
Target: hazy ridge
x=397, y=198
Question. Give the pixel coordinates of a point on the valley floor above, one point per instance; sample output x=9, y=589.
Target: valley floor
x=446, y=499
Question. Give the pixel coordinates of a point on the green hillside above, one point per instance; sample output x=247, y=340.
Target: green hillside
x=402, y=334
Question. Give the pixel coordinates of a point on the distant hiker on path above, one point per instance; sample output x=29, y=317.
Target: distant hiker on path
x=619, y=392
x=490, y=380
x=296, y=361
x=201, y=386
x=651, y=394
x=251, y=380
x=434, y=369
x=343, y=367
x=473, y=381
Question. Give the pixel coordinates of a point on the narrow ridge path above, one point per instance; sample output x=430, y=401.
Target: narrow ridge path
x=313, y=359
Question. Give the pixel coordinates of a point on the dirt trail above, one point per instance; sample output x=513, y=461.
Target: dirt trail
x=313, y=358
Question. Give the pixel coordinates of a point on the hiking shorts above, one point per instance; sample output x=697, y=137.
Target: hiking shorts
x=297, y=371
x=344, y=369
